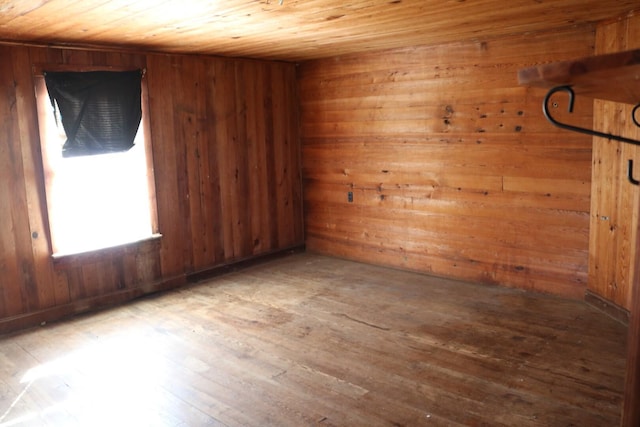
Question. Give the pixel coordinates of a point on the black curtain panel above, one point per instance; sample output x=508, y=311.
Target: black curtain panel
x=99, y=110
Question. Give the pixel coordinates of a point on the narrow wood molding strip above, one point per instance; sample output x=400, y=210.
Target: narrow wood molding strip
x=607, y=307
x=241, y=264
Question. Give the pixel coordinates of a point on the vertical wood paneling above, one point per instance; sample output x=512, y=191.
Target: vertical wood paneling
x=37, y=208
x=212, y=185
x=614, y=204
x=24, y=245
x=221, y=151
x=198, y=169
x=225, y=137
x=11, y=289
x=294, y=176
x=279, y=153
x=613, y=252
x=242, y=146
x=161, y=105
x=270, y=137
x=453, y=169
x=43, y=275
x=286, y=149
x=250, y=78
x=183, y=116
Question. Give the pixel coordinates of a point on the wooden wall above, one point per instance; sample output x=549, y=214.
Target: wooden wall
x=226, y=158
x=453, y=169
x=614, y=205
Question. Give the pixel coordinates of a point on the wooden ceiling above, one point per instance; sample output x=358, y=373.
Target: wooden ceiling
x=290, y=30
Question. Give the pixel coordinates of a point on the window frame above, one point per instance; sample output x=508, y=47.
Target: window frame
x=42, y=100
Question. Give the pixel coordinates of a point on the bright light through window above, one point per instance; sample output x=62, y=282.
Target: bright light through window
x=96, y=201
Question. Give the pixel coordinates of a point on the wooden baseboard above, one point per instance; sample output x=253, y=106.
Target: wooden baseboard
x=242, y=263
x=41, y=317
x=52, y=314
x=607, y=307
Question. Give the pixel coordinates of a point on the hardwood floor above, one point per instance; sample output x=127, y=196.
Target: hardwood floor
x=313, y=340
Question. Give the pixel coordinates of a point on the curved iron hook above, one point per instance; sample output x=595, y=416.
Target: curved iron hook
x=630, y=173
x=569, y=90
x=633, y=115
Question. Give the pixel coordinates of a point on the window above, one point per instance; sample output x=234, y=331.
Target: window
x=99, y=185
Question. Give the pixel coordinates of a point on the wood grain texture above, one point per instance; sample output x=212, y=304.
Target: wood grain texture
x=614, y=203
x=13, y=296
x=617, y=278
x=631, y=405
x=312, y=340
x=291, y=30
x=224, y=156
x=620, y=71
x=453, y=169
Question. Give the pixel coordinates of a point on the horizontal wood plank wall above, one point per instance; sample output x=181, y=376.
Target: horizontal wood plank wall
x=226, y=157
x=453, y=169
x=614, y=205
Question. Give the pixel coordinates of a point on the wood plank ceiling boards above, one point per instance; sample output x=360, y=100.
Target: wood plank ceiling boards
x=290, y=30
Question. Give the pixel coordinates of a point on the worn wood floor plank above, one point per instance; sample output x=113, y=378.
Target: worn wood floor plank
x=314, y=340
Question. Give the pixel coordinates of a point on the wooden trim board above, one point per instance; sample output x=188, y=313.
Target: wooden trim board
x=607, y=307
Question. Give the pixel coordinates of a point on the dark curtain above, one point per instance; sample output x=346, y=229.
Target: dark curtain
x=100, y=110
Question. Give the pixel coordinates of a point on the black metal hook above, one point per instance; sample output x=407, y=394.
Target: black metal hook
x=569, y=90
x=633, y=115
x=630, y=173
